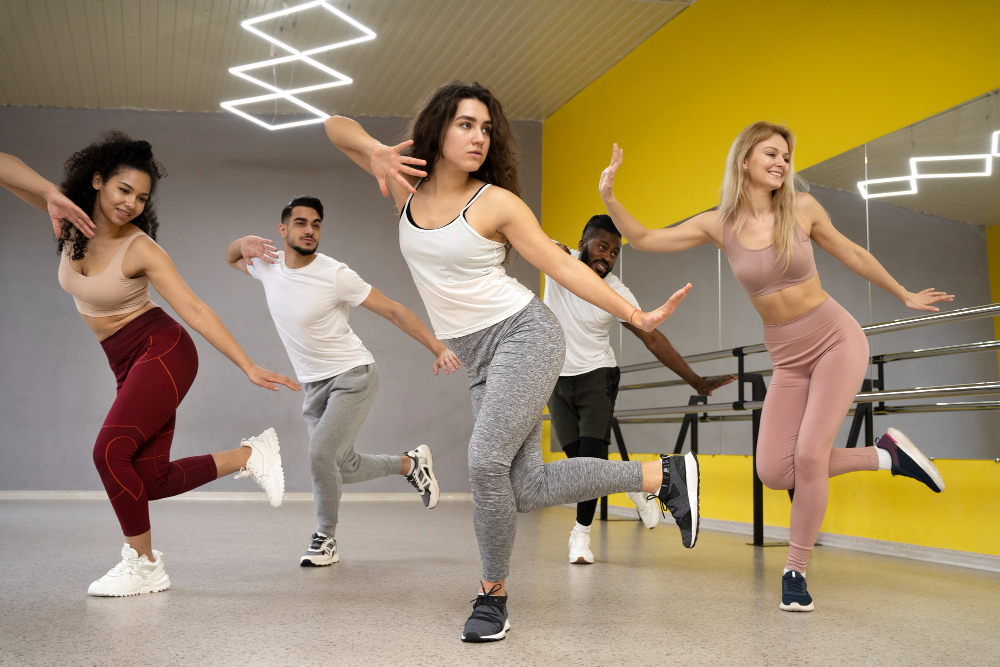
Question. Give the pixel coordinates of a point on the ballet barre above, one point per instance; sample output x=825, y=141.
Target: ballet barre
x=871, y=400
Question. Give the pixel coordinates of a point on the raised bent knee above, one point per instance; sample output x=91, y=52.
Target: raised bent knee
x=777, y=479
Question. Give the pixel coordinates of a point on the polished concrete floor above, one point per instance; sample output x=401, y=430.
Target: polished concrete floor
x=400, y=594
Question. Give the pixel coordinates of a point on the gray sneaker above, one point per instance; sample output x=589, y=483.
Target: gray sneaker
x=488, y=622
x=679, y=494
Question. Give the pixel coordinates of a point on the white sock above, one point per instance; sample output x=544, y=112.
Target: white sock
x=580, y=528
x=786, y=571
x=884, y=460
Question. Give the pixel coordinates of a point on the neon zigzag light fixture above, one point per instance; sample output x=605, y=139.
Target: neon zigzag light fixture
x=916, y=174
x=338, y=79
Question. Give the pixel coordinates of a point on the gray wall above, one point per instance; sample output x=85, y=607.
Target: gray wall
x=226, y=178
x=919, y=250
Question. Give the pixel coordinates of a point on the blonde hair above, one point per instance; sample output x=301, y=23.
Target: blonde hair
x=735, y=203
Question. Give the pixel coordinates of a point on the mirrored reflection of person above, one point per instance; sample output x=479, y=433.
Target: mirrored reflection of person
x=106, y=230
x=310, y=295
x=819, y=352
x=583, y=401
x=456, y=188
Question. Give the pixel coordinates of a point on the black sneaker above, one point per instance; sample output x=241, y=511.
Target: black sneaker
x=909, y=461
x=488, y=622
x=322, y=551
x=421, y=475
x=679, y=494
x=794, y=596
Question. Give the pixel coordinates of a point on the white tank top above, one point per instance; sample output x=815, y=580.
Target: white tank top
x=459, y=275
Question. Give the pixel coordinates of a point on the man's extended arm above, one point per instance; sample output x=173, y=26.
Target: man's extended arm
x=404, y=318
x=661, y=348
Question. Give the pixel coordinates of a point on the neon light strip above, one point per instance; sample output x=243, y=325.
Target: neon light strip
x=339, y=79
x=916, y=175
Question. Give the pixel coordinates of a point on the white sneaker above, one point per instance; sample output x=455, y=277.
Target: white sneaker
x=649, y=508
x=421, y=475
x=264, y=465
x=579, y=548
x=132, y=576
x=322, y=551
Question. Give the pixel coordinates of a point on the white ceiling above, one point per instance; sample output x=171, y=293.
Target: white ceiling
x=175, y=54
x=963, y=130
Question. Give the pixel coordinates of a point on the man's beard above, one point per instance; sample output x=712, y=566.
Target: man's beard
x=585, y=258
x=305, y=252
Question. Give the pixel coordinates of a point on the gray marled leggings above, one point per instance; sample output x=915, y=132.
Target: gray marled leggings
x=513, y=366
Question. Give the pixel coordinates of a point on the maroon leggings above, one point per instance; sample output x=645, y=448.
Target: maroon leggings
x=154, y=361
x=820, y=360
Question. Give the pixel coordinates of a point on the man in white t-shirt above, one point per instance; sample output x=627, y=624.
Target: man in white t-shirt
x=583, y=400
x=309, y=295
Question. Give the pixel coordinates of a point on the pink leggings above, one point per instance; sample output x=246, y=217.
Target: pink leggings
x=820, y=360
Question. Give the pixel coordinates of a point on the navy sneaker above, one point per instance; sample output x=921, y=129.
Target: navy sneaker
x=488, y=622
x=794, y=596
x=909, y=461
x=679, y=494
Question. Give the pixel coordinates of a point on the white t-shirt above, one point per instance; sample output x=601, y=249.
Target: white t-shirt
x=310, y=307
x=586, y=326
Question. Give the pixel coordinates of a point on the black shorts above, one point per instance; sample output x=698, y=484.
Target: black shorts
x=581, y=406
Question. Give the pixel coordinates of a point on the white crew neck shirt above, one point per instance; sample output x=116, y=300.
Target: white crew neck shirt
x=588, y=345
x=310, y=307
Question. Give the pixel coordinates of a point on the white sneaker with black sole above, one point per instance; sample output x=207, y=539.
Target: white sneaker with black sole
x=134, y=575
x=647, y=506
x=322, y=551
x=264, y=465
x=421, y=475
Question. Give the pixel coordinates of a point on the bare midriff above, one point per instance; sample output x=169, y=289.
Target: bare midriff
x=787, y=304
x=103, y=327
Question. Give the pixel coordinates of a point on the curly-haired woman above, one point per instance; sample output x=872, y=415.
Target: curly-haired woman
x=819, y=352
x=107, y=266
x=459, y=217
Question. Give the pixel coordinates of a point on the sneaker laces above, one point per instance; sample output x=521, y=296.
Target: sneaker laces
x=796, y=583
x=126, y=566
x=488, y=600
x=318, y=540
x=417, y=477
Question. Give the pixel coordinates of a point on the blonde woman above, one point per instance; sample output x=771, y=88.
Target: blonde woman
x=819, y=352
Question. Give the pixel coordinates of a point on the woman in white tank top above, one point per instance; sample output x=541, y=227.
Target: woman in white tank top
x=455, y=231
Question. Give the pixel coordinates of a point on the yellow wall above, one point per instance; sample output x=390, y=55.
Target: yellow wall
x=839, y=74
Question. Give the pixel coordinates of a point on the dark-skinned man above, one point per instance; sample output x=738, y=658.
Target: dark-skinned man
x=583, y=400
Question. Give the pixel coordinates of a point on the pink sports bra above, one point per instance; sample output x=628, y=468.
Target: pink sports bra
x=110, y=292
x=759, y=271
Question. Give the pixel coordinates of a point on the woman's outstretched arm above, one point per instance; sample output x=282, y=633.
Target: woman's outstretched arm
x=516, y=222
x=684, y=236
x=395, y=173
x=859, y=260
x=26, y=184
x=153, y=262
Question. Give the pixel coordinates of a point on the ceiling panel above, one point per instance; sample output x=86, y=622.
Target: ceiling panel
x=175, y=54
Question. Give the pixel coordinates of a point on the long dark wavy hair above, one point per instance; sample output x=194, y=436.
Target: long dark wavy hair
x=428, y=127
x=112, y=153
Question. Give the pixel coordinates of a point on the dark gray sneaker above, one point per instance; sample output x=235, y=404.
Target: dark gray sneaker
x=488, y=622
x=794, y=596
x=679, y=494
x=909, y=461
x=421, y=475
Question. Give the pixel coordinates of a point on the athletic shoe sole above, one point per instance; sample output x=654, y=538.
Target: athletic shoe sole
x=918, y=456
x=581, y=560
x=693, y=483
x=476, y=639
x=319, y=561
x=151, y=587
x=795, y=606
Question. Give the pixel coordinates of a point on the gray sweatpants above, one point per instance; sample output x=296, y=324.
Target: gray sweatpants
x=334, y=410
x=513, y=366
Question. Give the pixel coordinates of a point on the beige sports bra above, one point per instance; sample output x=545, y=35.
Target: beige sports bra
x=108, y=293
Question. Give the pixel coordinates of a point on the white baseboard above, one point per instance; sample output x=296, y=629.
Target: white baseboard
x=228, y=496
x=867, y=545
